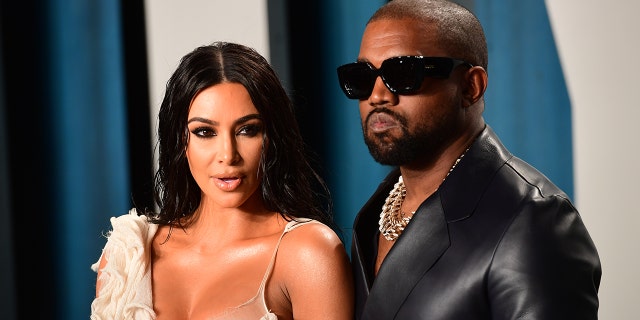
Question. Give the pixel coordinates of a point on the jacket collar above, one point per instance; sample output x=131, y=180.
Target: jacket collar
x=472, y=175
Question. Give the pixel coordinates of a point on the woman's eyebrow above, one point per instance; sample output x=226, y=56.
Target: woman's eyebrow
x=204, y=120
x=249, y=117
x=239, y=120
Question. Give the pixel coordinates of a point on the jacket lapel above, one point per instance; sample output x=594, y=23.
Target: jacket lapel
x=402, y=268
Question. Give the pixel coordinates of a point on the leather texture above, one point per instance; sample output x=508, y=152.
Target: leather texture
x=497, y=240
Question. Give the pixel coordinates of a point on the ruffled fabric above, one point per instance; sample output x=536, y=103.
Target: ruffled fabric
x=125, y=291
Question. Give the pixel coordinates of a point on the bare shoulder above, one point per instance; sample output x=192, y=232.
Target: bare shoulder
x=310, y=239
x=312, y=247
x=312, y=265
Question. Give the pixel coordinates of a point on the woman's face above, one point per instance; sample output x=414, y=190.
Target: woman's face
x=225, y=144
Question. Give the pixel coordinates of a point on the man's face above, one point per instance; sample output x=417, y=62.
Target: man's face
x=410, y=129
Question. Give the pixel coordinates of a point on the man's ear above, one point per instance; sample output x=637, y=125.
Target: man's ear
x=475, y=80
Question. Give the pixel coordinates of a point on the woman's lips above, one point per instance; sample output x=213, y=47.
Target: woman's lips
x=228, y=184
x=379, y=122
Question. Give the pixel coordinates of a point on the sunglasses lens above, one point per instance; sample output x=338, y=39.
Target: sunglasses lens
x=403, y=75
x=356, y=80
x=438, y=68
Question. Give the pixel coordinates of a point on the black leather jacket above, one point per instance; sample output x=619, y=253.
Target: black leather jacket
x=498, y=240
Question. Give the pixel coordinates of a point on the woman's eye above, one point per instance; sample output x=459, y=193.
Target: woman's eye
x=203, y=132
x=250, y=130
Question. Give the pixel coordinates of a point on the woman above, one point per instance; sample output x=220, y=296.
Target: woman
x=242, y=231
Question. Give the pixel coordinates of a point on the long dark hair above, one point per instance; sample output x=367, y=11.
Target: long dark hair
x=290, y=185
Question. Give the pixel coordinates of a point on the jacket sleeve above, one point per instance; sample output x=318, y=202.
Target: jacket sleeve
x=546, y=265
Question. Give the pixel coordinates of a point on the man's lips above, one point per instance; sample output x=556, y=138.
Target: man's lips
x=379, y=122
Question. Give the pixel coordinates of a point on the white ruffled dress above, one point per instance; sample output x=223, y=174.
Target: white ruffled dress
x=125, y=292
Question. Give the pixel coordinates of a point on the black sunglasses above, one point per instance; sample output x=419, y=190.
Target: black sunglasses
x=402, y=75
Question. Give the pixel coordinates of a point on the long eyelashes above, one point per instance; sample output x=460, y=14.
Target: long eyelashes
x=249, y=130
x=203, y=132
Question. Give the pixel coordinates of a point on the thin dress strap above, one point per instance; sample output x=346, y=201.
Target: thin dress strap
x=290, y=226
x=257, y=305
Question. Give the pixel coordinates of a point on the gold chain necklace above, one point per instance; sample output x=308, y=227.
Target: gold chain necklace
x=392, y=220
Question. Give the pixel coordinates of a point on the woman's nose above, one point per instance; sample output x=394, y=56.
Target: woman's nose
x=228, y=152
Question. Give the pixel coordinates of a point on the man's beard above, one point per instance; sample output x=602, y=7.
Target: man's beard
x=387, y=149
x=394, y=151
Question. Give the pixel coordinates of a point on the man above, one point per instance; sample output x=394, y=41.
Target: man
x=462, y=229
